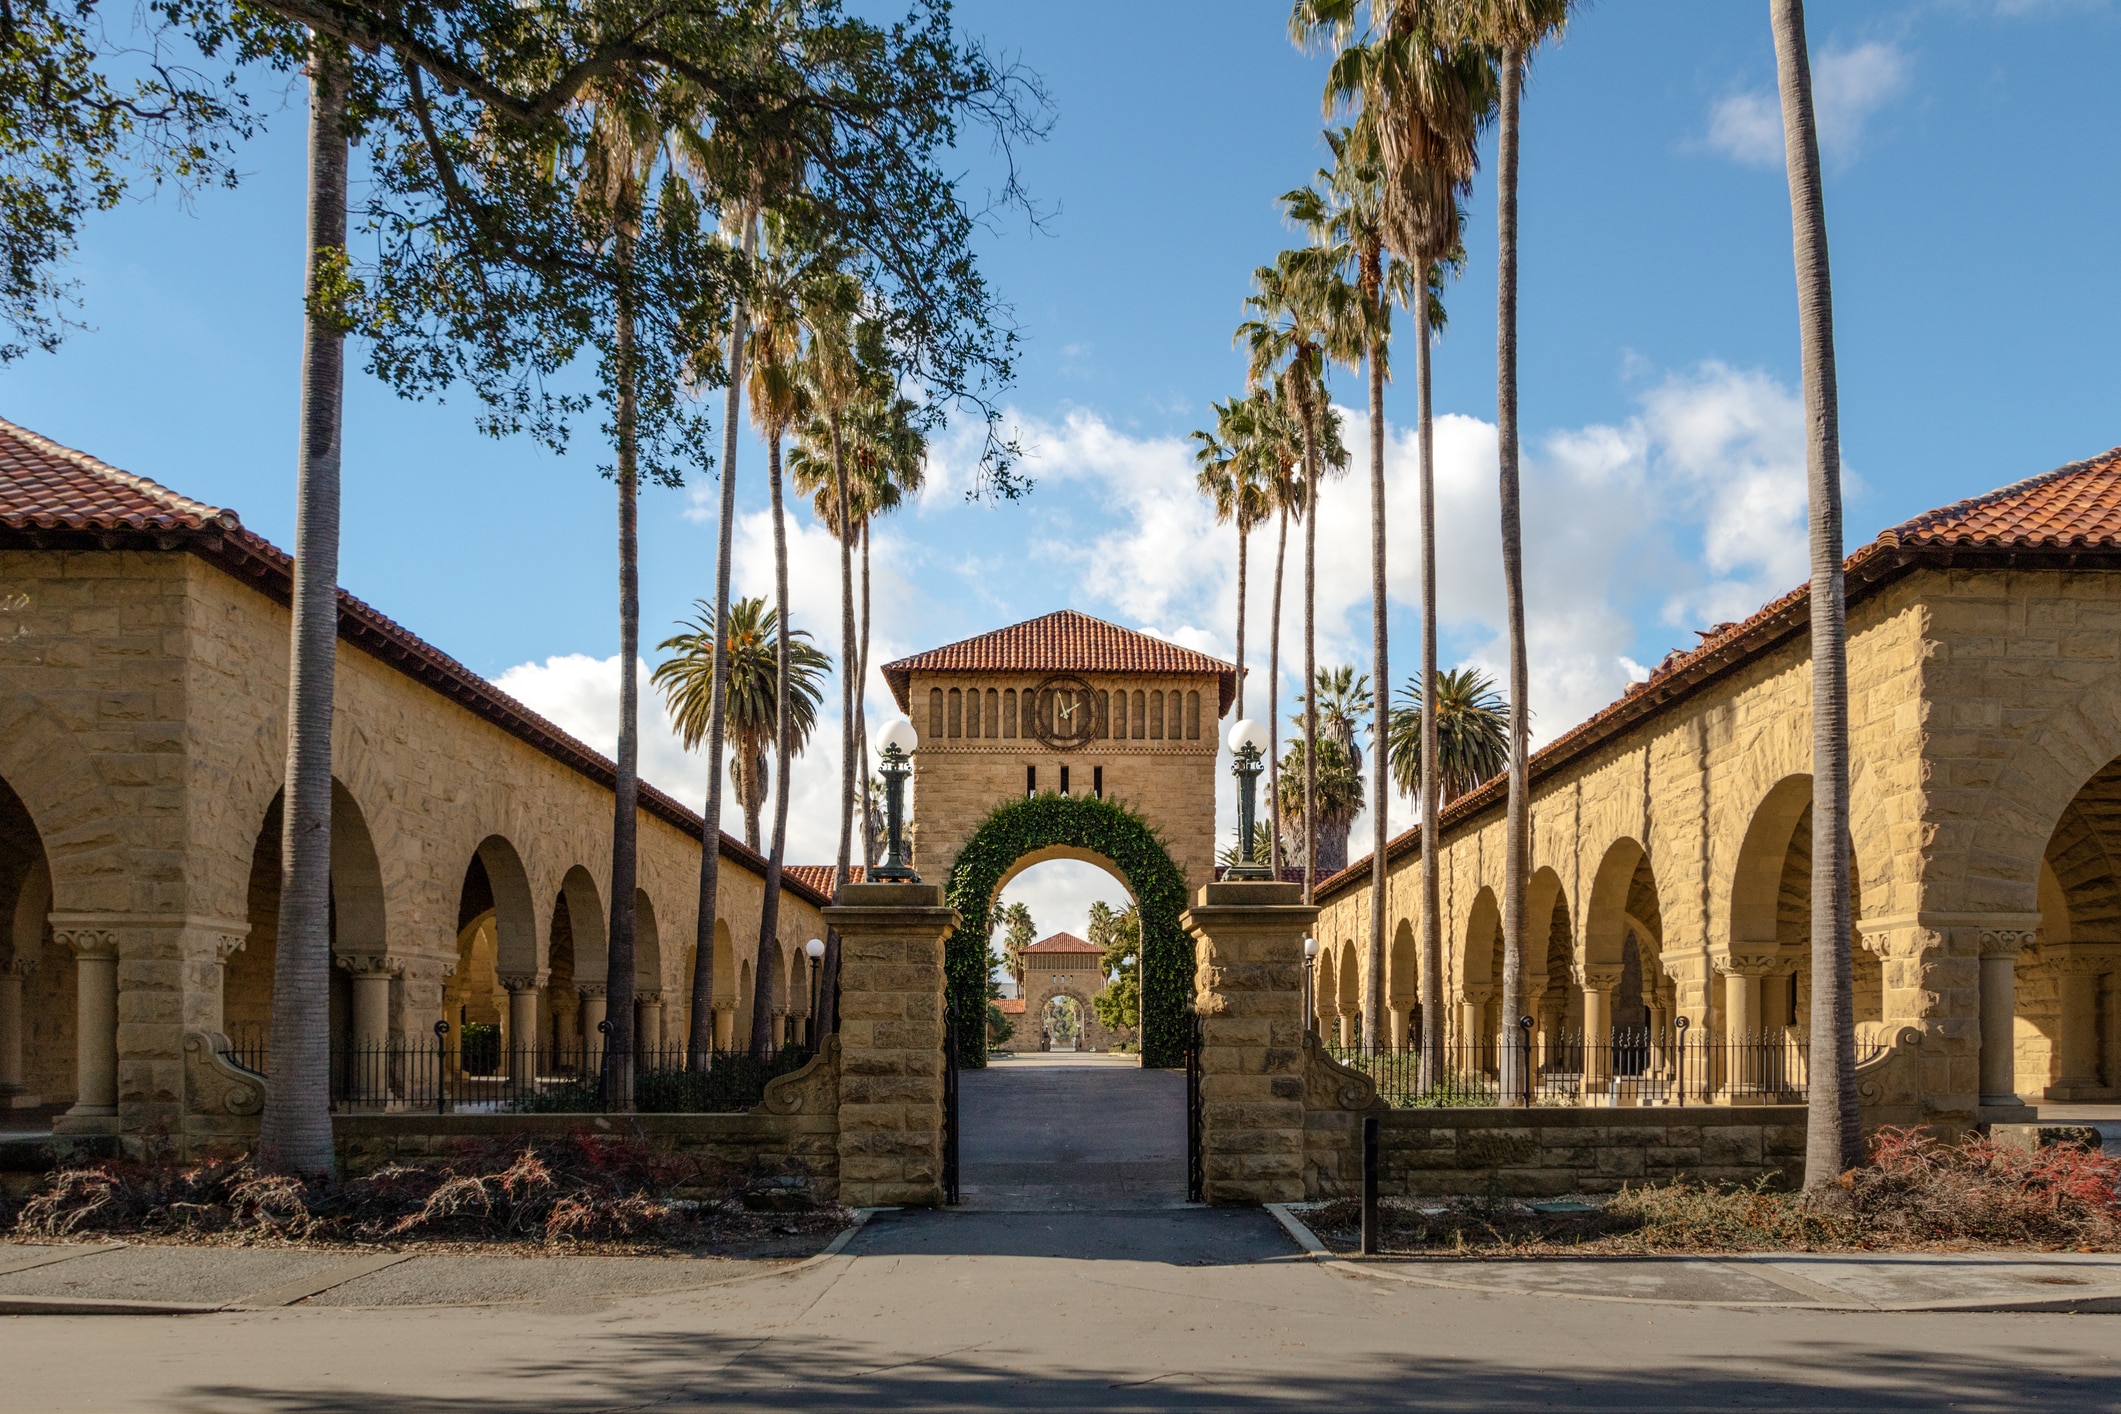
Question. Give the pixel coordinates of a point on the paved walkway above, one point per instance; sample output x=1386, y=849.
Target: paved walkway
x=1061, y=1132
x=1112, y=1296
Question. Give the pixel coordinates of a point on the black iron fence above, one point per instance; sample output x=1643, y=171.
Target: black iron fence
x=487, y=1077
x=1629, y=1067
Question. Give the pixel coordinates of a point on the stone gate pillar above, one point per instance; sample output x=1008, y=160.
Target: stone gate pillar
x=891, y=1043
x=1248, y=953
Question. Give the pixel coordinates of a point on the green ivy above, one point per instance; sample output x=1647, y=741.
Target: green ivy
x=1102, y=827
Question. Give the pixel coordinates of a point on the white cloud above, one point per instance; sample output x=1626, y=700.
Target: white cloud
x=1849, y=88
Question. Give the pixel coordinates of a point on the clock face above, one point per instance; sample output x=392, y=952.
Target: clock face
x=1065, y=713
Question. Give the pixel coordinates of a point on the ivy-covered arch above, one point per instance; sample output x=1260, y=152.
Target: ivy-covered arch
x=1101, y=827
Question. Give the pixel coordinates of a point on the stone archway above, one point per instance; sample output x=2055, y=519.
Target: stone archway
x=1103, y=832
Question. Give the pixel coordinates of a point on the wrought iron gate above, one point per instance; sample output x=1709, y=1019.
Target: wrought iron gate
x=950, y=1186
x=1196, y=1171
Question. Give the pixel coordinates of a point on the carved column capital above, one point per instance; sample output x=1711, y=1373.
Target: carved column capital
x=2006, y=942
x=589, y=991
x=1748, y=963
x=17, y=966
x=1598, y=976
x=370, y=964
x=651, y=997
x=1475, y=994
x=2075, y=960
x=89, y=944
x=524, y=981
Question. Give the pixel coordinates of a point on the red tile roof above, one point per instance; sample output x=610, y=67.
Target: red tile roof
x=1063, y=942
x=49, y=487
x=54, y=495
x=818, y=877
x=2064, y=518
x=1062, y=642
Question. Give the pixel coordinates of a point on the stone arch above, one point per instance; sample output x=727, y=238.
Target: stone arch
x=1020, y=833
x=359, y=919
x=1325, y=996
x=585, y=924
x=1482, y=937
x=1605, y=920
x=1350, y=999
x=1403, y=976
x=647, y=945
x=2016, y=817
x=2067, y=993
x=519, y=949
x=1756, y=881
x=77, y=822
x=745, y=983
x=39, y=990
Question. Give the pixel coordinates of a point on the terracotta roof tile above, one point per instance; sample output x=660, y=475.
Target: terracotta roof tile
x=45, y=486
x=818, y=877
x=2072, y=507
x=1062, y=642
x=1064, y=942
x=49, y=488
x=2072, y=510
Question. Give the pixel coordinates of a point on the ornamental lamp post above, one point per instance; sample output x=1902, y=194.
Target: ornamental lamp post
x=1248, y=743
x=1310, y=963
x=896, y=745
x=815, y=951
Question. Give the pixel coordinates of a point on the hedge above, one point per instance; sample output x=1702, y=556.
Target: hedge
x=1101, y=827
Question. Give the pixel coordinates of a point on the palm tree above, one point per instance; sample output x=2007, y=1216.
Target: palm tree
x=1281, y=447
x=1472, y=734
x=1343, y=698
x=1348, y=213
x=624, y=141
x=1300, y=306
x=294, y=1133
x=777, y=399
x=1512, y=29
x=1338, y=797
x=751, y=654
x=1231, y=478
x=889, y=465
x=1833, y=1137
x=1018, y=934
x=1418, y=100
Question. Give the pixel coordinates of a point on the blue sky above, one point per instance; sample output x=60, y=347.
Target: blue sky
x=1972, y=198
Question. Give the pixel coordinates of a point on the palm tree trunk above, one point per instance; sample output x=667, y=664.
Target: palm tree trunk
x=830, y=978
x=700, y=1044
x=745, y=765
x=1833, y=1136
x=1312, y=458
x=861, y=710
x=1373, y=997
x=625, y=820
x=1243, y=536
x=1516, y=831
x=1432, y=1022
x=783, y=746
x=294, y=1134
x=1281, y=556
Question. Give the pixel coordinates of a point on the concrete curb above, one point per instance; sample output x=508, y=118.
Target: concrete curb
x=1810, y=1295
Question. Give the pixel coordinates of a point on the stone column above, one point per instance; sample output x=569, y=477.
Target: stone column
x=891, y=1043
x=96, y=1025
x=1999, y=1014
x=1398, y=1023
x=1598, y=985
x=1744, y=1044
x=725, y=1024
x=13, y=1093
x=592, y=995
x=525, y=996
x=648, y=1036
x=369, y=1071
x=1473, y=1024
x=1248, y=991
